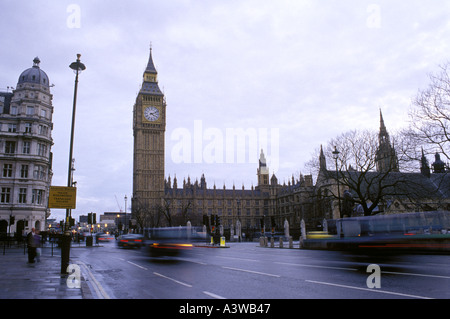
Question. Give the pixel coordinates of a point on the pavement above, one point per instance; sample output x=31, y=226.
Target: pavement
x=40, y=280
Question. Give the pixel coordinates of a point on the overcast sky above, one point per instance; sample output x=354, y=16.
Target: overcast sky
x=294, y=74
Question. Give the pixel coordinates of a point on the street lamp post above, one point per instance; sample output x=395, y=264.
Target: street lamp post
x=77, y=67
x=336, y=156
x=126, y=212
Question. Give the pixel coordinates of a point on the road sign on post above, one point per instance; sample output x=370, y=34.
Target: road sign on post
x=62, y=197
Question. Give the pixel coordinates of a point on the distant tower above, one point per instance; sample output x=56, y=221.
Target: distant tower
x=424, y=167
x=438, y=165
x=262, y=172
x=149, y=126
x=322, y=160
x=386, y=157
x=25, y=151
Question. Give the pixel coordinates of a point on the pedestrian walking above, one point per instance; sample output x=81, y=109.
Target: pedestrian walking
x=37, y=243
x=31, y=246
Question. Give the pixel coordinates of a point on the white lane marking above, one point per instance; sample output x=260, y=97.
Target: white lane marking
x=174, y=280
x=412, y=274
x=315, y=266
x=239, y=258
x=213, y=295
x=367, y=289
x=251, y=271
x=137, y=265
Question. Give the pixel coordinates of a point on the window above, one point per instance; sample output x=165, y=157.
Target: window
x=43, y=130
x=28, y=127
x=5, y=195
x=7, y=170
x=13, y=110
x=12, y=128
x=24, y=171
x=39, y=172
x=42, y=149
x=43, y=113
x=30, y=110
x=26, y=147
x=22, y=195
x=37, y=196
x=10, y=147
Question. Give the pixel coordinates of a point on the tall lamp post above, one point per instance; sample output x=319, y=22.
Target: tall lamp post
x=125, y=198
x=336, y=156
x=77, y=67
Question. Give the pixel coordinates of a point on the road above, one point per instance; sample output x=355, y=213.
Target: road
x=247, y=271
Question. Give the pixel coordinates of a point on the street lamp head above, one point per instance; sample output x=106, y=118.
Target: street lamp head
x=335, y=153
x=77, y=66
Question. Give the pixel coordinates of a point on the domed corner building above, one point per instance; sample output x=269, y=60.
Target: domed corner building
x=25, y=153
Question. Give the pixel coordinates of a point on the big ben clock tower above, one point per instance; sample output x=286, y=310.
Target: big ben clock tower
x=149, y=126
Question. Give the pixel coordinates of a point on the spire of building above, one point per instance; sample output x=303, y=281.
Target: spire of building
x=322, y=160
x=386, y=157
x=150, y=82
x=424, y=167
x=150, y=65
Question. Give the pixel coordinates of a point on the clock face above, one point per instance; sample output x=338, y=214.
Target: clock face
x=151, y=113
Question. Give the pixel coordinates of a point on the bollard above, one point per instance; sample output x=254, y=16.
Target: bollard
x=222, y=241
x=89, y=241
x=65, y=252
x=291, y=242
x=272, y=242
x=281, y=242
x=263, y=241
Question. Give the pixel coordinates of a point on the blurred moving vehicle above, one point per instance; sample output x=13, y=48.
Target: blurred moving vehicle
x=172, y=241
x=103, y=238
x=418, y=232
x=130, y=241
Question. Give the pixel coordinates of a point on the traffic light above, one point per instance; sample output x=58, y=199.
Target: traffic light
x=92, y=218
x=206, y=220
x=217, y=220
x=272, y=222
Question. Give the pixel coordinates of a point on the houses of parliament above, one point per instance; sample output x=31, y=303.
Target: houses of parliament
x=158, y=201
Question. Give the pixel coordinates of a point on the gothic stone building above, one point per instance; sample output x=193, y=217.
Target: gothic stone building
x=25, y=152
x=160, y=202
x=400, y=192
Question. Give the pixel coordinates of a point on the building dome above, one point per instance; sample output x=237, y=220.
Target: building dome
x=34, y=75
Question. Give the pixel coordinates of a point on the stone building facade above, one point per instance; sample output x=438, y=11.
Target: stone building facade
x=25, y=152
x=172, y=202
x=266, y=206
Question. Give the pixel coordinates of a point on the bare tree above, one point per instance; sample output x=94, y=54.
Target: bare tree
x=430, y=115
x=361, y=182
x=145, y=215
x=173, y=218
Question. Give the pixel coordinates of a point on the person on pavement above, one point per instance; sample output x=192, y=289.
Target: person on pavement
x=31, y=243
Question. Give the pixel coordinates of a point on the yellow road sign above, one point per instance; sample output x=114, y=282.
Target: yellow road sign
x=62, y=197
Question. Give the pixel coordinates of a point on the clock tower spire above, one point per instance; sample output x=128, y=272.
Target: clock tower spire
x=149, y=126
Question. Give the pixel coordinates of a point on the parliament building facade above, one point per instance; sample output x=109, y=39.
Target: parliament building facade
x=158, y=201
